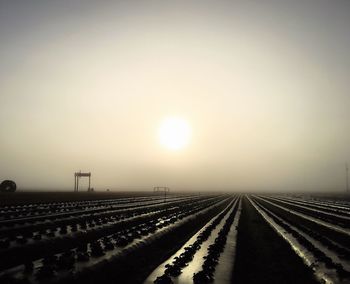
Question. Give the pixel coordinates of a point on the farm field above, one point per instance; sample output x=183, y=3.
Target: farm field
x=178, y=238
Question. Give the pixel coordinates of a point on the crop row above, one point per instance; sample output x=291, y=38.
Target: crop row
x=175, y=268
x=206, y=275
x=27, y=210
x=90, y=227
x=316, y=243
x=75, y=219
x=96, y=244
x=14, y=222
x=318, y=206
x=333, y=218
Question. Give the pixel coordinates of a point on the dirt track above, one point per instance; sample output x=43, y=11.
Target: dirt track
x=262, y=256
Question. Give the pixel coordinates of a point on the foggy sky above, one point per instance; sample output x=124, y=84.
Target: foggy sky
x=84, y=85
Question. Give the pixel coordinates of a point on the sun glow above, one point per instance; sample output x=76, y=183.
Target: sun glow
x=174, y=133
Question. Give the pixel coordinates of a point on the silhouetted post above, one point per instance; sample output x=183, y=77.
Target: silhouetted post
x=77, y=183
x=347, y=177
x=89, y=182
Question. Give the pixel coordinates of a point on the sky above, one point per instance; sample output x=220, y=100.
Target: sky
x=263, y=86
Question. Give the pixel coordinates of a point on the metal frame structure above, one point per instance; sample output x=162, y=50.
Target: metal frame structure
x=77, y=176
x=164, y=189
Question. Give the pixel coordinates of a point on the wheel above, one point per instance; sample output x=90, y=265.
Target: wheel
x=8, y=186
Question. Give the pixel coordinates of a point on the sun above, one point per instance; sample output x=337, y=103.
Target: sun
x=174, y=133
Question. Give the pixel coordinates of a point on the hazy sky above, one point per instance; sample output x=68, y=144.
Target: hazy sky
x=264, y=86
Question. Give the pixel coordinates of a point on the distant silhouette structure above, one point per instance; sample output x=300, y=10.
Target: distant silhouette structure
x=161, y=189
x=8, y=186
x=77, y=176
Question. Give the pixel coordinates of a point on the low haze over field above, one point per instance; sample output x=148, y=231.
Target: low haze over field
x=188, y=94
